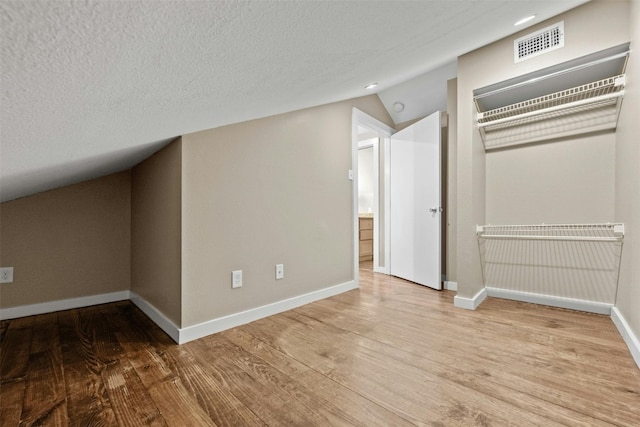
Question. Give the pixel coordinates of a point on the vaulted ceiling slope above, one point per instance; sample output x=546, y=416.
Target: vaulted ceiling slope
x=93, y=87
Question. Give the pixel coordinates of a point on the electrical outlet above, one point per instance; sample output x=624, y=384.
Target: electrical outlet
x=6, y=275
x=279, y=271
x=236, y=279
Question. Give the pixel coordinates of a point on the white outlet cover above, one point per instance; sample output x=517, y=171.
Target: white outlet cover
x=6, y=275
x=279, y=271
x=236, y=279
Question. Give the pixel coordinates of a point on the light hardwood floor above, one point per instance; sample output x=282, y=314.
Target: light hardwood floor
x=389, y=354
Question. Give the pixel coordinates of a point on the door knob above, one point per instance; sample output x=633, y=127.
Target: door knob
x=435, y=210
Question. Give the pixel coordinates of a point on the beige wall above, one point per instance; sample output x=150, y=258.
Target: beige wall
x=156, y=245
x=67, y=243
x=627, y=206
x=569, y=181
x=398, y=127
x=245, y=196
x=595, y=26
x=264, y=192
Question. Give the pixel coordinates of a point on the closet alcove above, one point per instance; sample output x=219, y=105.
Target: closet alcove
x=537, y=129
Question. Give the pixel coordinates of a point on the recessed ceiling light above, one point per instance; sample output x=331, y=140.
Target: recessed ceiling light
x=371, y=85
x=523, y=20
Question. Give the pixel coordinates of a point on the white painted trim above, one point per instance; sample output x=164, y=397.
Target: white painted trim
x=470, y=303
x=194, y=332
x=451, y=286
x=63, y=304
x=627, y=333
x=379, y=269
x=355, y=120
x=177, y=334
x=359, y=117
x=156, y=317
x=386, y=184
x=376, y=203
x=570, y=303
x=372, y=123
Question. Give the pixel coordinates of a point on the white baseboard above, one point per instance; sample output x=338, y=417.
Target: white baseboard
x=226, y=322
x=470, y=303
x=570, y=303
x=231, y=321
x=156, y=316
x=64, y=304
x=177, y=334
x=451, y=286
x=378, y=269
x=627, y=333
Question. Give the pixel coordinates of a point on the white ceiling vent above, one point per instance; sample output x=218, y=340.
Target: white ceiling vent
x=542, y=41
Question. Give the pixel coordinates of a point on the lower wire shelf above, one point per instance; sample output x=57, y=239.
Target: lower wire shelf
x=578, y=262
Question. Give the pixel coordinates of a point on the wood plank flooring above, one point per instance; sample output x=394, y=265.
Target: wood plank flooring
x=389, y=354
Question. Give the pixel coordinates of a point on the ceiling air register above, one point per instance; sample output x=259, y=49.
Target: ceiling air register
x=540, y=42
x=572, y=98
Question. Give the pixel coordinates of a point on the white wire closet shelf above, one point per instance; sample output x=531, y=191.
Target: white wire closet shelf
x=567, y=265
x=604, y=232
x=569, y=99
x=598, y=94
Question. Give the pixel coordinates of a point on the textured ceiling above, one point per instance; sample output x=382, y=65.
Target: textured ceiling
x=93, y=87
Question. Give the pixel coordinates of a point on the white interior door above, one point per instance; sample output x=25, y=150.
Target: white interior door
x=415, y=203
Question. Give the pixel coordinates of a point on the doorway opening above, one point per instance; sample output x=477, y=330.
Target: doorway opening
x=368, y=200
x=397, y=199
x=369, y=143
